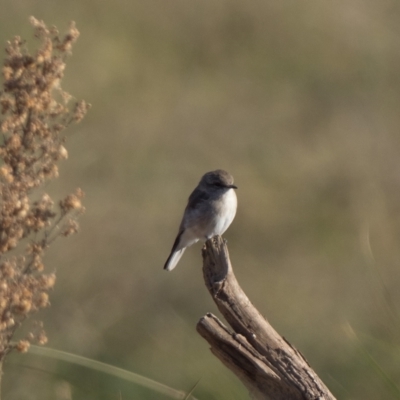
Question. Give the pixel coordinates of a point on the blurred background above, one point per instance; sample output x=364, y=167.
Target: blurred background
x=300, y=101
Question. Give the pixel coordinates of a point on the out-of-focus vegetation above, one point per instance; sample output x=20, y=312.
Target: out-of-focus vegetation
x=31, y=124
x=300, y=102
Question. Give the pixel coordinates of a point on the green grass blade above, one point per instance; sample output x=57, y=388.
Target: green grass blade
x=110, y=370
x=373, y=363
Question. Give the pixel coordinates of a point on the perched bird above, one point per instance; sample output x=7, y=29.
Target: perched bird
x=210, y=210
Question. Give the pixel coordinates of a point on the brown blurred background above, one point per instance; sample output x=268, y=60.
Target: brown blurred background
x=300, y=101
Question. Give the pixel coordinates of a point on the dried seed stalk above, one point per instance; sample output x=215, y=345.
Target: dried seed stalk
x=34, y=114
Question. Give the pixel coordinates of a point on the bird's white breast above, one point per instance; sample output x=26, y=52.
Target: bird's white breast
x=226, y=213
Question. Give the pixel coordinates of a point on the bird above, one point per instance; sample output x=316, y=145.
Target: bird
x=210, y=210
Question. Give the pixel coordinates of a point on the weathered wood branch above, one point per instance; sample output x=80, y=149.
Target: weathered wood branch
x=268, y=365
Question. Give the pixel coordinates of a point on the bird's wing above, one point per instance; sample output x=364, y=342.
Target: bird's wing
x=197, y=197
x=193, y=209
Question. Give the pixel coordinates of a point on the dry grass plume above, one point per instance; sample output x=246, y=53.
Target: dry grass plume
x=35, y=112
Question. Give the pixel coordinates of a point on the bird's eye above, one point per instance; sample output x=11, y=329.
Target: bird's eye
x=218, y=184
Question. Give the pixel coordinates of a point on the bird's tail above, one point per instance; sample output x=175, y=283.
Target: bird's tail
x=173, y=259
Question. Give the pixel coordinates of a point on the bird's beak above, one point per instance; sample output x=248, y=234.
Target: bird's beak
x=232, y=186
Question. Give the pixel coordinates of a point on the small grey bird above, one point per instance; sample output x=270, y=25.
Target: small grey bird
x=210, y=210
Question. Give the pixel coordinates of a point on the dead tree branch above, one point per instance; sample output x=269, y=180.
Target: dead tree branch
x=268, y=365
